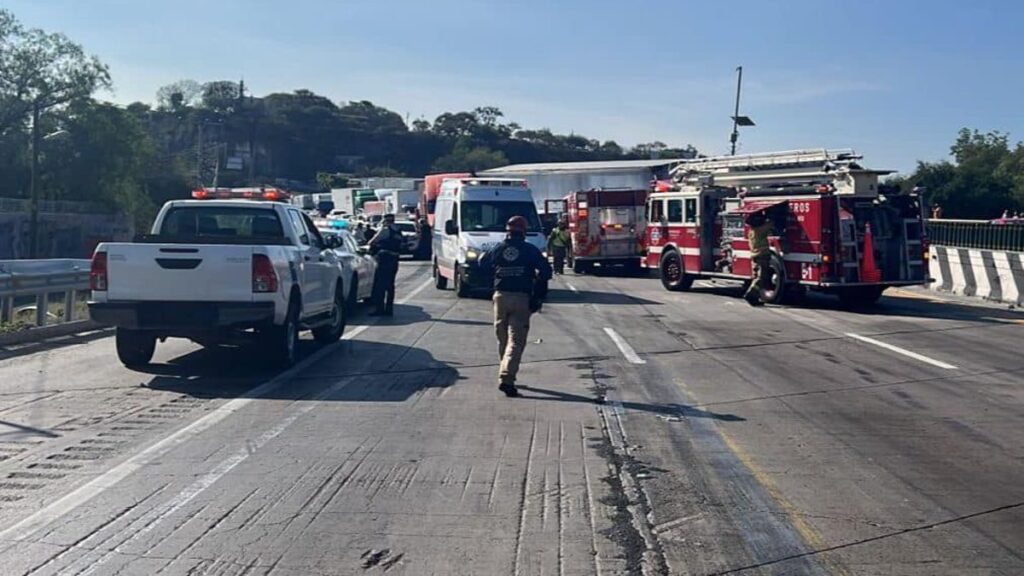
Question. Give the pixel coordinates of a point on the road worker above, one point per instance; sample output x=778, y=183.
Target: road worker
x=386, y=247
x=559, y=244
x=519, y=270
x=760, y=255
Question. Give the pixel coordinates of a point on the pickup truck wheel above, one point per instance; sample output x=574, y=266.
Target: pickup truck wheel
x=282, y=342
x=134, y=347
x=673, y=278
x=461, y=290
x=332, y=332
x=440, y=282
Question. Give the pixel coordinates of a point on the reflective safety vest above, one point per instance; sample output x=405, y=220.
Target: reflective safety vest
x=758, y=238
x=560, y=238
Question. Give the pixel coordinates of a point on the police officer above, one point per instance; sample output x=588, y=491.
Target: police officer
x=760, y=255
x=559, y=244
x=386, y=246
x=518, y=267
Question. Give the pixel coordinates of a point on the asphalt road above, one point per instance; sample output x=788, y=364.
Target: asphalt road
x=658, y=432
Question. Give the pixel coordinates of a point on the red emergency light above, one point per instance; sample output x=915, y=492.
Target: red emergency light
x=270, y=194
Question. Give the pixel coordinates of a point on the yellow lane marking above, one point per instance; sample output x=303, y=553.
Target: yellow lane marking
x=809, y=534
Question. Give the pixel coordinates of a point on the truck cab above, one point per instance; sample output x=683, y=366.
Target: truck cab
x=471, y=214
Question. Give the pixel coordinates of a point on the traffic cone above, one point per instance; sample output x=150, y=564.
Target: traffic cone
x=869, y=271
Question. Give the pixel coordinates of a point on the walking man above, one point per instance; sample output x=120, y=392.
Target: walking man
x=386, y=246
x=517, y=267
x=760, y=255
x=559, y=244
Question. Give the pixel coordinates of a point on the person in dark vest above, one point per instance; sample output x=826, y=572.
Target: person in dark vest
x=518, y=268
x=425, y=247
x=386, y=246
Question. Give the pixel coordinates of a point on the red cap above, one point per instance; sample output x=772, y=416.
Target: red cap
x=516, y=224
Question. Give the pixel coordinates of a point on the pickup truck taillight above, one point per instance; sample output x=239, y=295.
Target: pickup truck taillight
x=98, y=272
x=264, y=278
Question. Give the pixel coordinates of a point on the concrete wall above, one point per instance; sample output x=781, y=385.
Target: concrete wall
x=60, y=235
x=993, y=275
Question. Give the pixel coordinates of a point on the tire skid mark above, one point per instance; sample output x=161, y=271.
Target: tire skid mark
x=589, y=501
x=523, y=500
x=497, y=473
x=209, y=529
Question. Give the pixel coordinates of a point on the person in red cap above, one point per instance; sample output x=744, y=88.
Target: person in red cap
x=518, y=268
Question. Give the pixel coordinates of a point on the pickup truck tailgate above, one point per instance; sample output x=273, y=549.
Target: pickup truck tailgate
x=179, y=272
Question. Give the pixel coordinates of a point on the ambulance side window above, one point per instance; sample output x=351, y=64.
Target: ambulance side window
x=691, y=210
x=675, y=211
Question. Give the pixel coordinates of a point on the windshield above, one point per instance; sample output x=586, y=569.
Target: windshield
x=492, y=216
x=222, y=221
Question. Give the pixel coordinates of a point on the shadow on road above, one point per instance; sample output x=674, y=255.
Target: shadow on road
x=355, y=371
x=669, y=410
x=563, y=296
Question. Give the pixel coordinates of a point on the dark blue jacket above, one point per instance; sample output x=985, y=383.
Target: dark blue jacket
x=516, y=265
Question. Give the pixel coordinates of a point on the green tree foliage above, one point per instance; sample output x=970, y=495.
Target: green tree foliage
x=42, y=70
x=985, y=178
x=466, y=157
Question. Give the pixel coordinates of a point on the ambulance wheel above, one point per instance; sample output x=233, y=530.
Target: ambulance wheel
x=440, y=282
x=673, y=278
x=775, y=292
x=860, y=296
x=461, y=289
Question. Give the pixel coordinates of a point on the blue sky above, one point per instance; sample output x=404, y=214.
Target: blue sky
x=893, y=79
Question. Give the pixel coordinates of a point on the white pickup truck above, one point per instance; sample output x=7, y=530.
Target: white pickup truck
x=218, y=271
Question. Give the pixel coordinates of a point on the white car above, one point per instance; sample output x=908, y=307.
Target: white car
x=220, y=269
x=409, y=235
x=358, y=267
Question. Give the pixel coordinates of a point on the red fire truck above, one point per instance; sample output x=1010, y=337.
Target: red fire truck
x=607, y=227
x=834, y=229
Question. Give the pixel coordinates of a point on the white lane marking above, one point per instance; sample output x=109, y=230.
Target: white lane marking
x=110, y=478
x=571, y=287
x=624, y=347
x=902, y=351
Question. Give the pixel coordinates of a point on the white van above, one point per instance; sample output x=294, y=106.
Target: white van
x=470, y=219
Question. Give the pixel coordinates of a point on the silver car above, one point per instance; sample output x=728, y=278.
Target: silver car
x=357, y=266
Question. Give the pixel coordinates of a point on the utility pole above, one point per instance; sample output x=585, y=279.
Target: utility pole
x=738, y=120
x=199, y=156
x=33, y=188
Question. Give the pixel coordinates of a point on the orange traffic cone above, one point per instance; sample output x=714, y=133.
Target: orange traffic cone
x=869, y=272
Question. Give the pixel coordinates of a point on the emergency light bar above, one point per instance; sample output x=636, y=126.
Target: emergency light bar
x=271, y=194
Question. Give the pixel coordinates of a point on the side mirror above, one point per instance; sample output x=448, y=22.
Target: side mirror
x=450, y=228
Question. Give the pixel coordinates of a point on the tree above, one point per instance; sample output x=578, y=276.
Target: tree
x=420, y=125
x=183, y=93
x=221, y=95
x=41, y=71
x=465, y=157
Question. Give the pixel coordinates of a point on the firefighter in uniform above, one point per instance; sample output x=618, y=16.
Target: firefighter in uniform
x=559, y=244
x=519, y=269
x=386, y=246
x=760, y=255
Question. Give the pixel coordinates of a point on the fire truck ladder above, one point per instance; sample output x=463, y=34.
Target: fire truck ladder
x=796, y=167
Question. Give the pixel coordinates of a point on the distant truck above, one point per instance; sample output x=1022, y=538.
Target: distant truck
x=431, y=190
x=344, y=199
x=402, y=203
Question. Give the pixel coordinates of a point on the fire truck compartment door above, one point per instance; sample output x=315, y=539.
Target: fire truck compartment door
x=757, y=206
x=618, y=224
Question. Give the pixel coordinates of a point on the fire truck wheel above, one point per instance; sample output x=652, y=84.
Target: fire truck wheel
x=673, y=278
x=776, y=289
x=860, y=296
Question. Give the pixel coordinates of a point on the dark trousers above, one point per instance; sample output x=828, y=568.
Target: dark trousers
x=384, y=281
x=559, y=254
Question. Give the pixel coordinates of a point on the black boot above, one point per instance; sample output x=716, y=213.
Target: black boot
x=509, y=390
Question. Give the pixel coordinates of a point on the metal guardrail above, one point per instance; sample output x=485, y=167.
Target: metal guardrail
x=41, y=278
x=978, y=234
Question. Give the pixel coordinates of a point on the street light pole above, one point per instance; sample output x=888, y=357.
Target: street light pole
x=736, y=115
x=33, y=189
